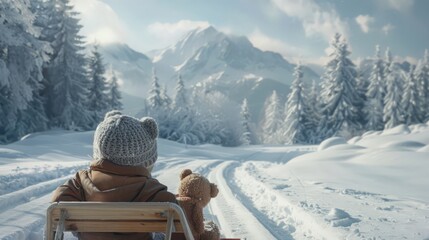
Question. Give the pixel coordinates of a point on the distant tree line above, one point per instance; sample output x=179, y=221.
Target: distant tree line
x=195, y=116
x=46, y=81
x=347, y=104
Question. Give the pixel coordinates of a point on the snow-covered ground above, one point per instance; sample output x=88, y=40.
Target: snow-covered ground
x=372, y=187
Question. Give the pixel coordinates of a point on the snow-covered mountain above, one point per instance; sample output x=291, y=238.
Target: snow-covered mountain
x=205, y=56
x=208, y=55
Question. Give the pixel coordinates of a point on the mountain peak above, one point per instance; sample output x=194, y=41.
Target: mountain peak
x=206, y=30
x=200, y=36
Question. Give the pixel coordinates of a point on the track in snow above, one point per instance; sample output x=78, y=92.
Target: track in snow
x=234, y=218
x=235, y=211
x=25, y=197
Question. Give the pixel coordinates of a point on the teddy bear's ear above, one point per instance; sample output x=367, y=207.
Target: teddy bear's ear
x=213, y=190
x=185, y=173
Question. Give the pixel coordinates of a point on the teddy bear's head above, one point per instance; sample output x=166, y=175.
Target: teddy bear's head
x=197, y=187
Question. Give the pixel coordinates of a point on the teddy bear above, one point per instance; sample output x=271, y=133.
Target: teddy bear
x=194, y=193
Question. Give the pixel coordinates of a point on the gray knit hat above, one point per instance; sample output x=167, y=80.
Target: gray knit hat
x=125, y=140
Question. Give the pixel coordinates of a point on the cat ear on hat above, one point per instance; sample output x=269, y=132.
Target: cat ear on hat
x=112, y=113
x=150, y=126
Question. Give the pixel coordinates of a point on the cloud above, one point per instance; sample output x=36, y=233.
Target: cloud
x=387, y=28
x=364, y=21
x=266, y=43
x=100, y=23
x=167, y=33
x=399, y=5
x=315, y=20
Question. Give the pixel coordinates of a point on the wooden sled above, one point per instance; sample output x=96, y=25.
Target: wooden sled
x=116, y=217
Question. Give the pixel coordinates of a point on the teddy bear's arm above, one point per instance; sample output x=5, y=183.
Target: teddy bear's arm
x=198, y=219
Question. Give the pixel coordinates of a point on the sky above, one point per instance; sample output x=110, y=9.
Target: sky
x=300, y=30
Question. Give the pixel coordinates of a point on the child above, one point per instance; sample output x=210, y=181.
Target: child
x=125, y=150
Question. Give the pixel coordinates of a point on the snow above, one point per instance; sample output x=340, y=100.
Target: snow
x=373, y=186
x=330, y=142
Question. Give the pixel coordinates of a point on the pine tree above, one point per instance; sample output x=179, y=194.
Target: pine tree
x=154, y=99
x=246, y=136
x=388, y=66
x=180, y=99
x=341, y=101
x=21, y=58
x=411, y=102
x=296, y=115
x=273, y=121
x=327, y=84
x=362, y=88
x=98, y=102
x=67, y=90
x=165, y=98
x=114, y=96
x=392, y=112
x=313, y=116
x=375, y=95
x=422, y=78
x=183, y=125
x=426, y=71
x=217, y=119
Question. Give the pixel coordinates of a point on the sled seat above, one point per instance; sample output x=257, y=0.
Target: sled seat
x=115, y=217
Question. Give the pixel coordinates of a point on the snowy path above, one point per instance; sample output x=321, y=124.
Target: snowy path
x=234, y=218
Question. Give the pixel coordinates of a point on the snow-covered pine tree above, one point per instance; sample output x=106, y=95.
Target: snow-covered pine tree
x=154, y=98
x=246, y=136
x=165, y=98
x=217, y=118
x=114, y=96
x=183, y=126
x=156, y=108
x=362, y=87
x=411, y=102
x=98, y=100
x=295, y=124
x=21, y=59
x=392, y=112
x=422, y=78
x=426, y=70
x=341, y=101
x=326, y=89
x=67, y=80
x=180, y=99
x=313, y=116
x=375, y=95
x=388, y=67
x=273, y=120
x=327, y=84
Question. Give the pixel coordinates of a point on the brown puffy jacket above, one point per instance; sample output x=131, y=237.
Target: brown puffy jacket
x=108, y=182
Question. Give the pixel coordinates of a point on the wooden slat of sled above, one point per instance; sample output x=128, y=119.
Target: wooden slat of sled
x=116, y=217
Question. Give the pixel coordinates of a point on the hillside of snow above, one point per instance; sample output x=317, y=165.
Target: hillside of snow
x=374, y=186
